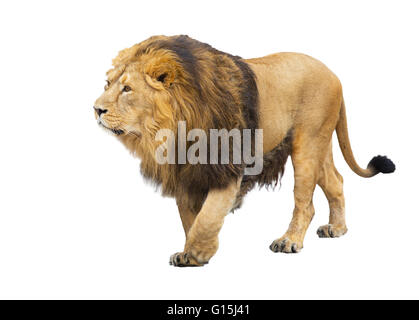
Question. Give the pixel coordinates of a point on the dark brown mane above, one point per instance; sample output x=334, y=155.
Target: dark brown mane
x=214, y=90
x=196, y=57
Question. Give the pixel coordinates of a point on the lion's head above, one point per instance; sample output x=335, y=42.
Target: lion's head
x=135, y=87
x=163, y=80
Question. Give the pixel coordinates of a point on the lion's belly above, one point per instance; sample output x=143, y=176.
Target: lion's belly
x=294, y=92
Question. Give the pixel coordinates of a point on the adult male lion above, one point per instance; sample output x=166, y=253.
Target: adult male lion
x=294, y=98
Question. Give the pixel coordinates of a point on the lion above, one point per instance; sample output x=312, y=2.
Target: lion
x=295, y=99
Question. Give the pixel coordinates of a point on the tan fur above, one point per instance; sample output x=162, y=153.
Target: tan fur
x=202, y=236
x=297, y=94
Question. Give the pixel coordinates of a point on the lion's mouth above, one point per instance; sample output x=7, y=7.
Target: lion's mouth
x=117, y=132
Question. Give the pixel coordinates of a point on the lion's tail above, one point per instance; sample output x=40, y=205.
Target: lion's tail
x=376, y=165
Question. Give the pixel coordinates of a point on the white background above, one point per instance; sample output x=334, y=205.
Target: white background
x=78, y=221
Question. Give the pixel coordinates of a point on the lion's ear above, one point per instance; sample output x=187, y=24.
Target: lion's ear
x=161, y=75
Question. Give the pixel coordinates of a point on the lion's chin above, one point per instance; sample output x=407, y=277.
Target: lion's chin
x=116, y=132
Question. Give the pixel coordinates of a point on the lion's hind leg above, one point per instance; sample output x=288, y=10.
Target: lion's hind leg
x=307, y=156
x=332, y=184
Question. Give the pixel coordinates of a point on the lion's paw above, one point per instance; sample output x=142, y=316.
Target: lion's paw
x=331, y=231
x=184, y=259
x=285, y=245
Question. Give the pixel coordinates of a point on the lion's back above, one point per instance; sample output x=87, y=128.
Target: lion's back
x=288, y=84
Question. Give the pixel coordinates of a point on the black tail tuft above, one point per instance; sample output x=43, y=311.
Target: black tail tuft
x=381, y=164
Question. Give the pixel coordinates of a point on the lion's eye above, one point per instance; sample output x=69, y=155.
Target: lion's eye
x=126, y=89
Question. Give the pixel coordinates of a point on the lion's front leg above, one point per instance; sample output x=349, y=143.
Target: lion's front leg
x=187, y=214
x=202, y=238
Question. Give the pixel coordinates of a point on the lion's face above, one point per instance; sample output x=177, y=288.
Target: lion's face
x=126, y=104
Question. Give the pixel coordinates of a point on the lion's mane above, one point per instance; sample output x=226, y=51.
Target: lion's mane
x=208, y=89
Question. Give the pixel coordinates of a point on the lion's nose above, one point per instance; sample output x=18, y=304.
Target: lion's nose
x=100, y=111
